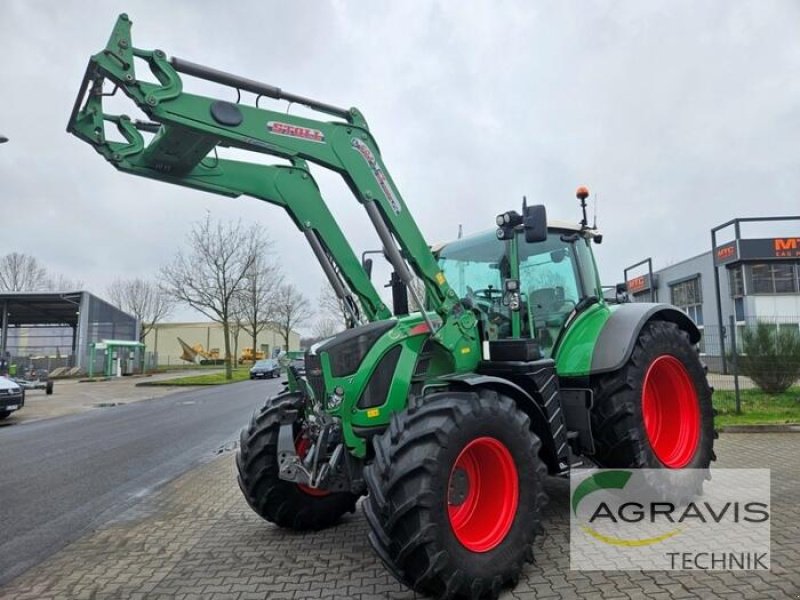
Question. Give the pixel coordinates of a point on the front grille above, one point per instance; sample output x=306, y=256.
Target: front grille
x=314, y=376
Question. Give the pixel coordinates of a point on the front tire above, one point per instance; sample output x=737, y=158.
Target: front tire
x=656, y=411
x=455, y=494
x=4, y=414
x=282, y=502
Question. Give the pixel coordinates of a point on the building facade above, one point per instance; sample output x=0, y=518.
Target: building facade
x=165, y=340
x=48, y=330
x=746, y=280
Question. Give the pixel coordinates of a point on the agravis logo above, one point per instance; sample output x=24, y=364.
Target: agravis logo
x=656, y=519
x=606, y=480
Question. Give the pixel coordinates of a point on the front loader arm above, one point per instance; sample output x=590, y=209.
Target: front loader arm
x=290, y=187
x=191, y=126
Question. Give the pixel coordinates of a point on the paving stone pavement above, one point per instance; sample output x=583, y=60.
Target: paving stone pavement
x=196, y=538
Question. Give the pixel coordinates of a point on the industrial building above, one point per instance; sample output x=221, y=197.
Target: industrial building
x=164, y=340
x=740, y=280
x=48, y=330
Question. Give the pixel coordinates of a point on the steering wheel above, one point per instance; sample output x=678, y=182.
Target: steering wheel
x=489, y=294
x=487, y=301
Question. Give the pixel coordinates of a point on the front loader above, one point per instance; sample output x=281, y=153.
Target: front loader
x=512, y=366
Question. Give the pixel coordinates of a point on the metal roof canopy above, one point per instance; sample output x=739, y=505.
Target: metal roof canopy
x=42, y=308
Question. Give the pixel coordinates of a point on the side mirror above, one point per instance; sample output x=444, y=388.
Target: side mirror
x=368, y=267
x=534, y=221
x=622, y=293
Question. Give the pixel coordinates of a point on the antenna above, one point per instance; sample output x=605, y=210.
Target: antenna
x=594, y=218
x=460, y=230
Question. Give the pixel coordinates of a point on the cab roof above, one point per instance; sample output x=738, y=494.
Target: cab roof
x=552, y=224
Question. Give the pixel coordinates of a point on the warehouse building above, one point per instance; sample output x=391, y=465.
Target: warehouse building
x=56, y=330
x=206, y=338
x=739, y=280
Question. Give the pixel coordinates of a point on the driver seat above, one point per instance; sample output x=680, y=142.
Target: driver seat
x=546, y=314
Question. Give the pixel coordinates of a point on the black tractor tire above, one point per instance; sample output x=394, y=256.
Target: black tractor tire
x=48, y=389
x=281, y=502
x=618, y=415
x=411, y=493
x=4, y=414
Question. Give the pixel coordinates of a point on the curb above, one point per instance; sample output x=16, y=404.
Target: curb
x=774, y=428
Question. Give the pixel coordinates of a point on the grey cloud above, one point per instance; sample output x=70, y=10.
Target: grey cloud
x=681, y=115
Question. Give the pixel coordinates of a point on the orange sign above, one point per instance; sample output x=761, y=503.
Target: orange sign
x=637, y=284
x=786, y=247
x=726, y=252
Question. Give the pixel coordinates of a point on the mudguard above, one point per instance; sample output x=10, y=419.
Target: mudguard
x=618, y=336
x=526, y=403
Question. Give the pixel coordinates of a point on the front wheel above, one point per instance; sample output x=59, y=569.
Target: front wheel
x=4, y=414
x=455, y=494
x=282, y=502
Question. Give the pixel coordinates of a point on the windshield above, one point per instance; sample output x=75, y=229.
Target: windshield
x=475, y=268
x=264, y=363
x=555, y=275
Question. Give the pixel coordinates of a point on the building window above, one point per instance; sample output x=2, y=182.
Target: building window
x=736, y=281
x=738, y=308
x=774, y=278
x=687, y=295
x=785, y=280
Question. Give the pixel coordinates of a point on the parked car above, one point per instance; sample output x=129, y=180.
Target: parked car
x=266, y=369
x=12, y=397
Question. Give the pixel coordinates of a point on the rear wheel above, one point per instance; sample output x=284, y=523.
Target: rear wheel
x=455, y=493
x=282, y=502
x=656, y=411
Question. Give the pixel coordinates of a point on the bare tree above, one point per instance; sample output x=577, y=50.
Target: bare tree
x=291, y=309
x=332, y=306
x=22, y=273
x=59, y=283
x=236, y=325
x=326, y=326
x=145, y=300
x=212, y=271
x=257, y=300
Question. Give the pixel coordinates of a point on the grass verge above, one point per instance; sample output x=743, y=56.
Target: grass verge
x=206, y=379
x=758, y=408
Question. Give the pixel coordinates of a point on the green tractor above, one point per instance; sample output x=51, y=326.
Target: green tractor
x=448, y=418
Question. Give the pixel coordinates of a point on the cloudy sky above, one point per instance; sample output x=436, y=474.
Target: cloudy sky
x=678, y=115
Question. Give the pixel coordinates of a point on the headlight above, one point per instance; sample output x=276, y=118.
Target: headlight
x=335, y=399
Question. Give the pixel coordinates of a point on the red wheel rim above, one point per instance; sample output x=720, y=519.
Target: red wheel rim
x=302, y=446
x=483, y=492
x=670, y=411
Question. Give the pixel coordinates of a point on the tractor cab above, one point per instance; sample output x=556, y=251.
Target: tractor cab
x=523, y=289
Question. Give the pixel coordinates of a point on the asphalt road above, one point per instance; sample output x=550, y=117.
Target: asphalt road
x=62, y=477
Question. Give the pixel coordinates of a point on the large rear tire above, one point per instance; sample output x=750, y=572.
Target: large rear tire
x=655, y=412
x=282, y=502
x=455, y=494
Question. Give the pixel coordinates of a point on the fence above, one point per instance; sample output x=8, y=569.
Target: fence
x=752, y=354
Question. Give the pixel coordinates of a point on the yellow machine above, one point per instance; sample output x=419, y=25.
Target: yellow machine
x=197, y=354
x=248, y=356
